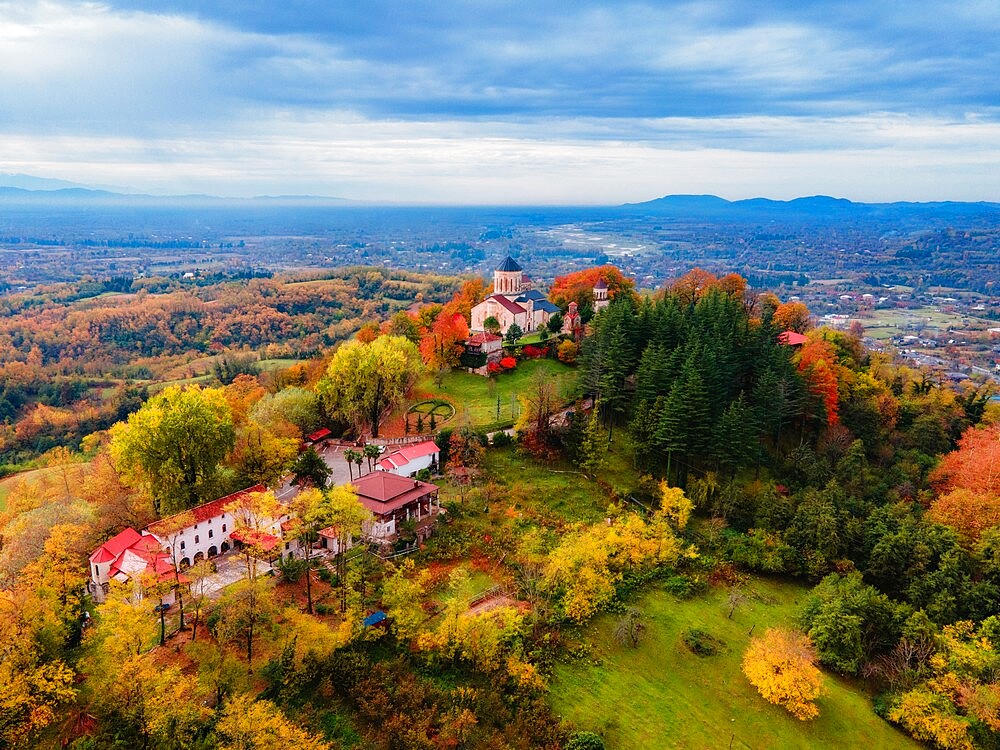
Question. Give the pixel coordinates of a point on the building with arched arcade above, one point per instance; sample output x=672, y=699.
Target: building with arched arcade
x=177, y=542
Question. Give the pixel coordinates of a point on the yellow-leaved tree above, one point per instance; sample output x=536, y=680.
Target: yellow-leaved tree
x=782, y=666
x=248, y=724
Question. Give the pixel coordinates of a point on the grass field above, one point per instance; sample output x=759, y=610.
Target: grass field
x=49, y=475
x=556, y=490
x=660, y=695
x=927, y=321
x=477, y=396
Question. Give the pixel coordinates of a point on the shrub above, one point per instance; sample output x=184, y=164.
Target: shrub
x=291, y=568
x=325, y=609
x=681, y=586
x=585, y=741
x=508, y=363
x=327, y=576
x=702, y=643
x=567, y=352
x=502, y=439
x=534, y=352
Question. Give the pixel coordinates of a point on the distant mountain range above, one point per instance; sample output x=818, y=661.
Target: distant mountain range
x=23, y=189
x=816, y=206
x=87, y=196
x=27, y=190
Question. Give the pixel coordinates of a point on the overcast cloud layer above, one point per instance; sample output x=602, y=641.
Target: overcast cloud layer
x=506, y=102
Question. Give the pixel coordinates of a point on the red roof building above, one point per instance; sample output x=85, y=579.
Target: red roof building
x=207, y=511
x=407, y=461
x=127, y=555
x=393, y=499
x=791, y=338
x=165, y=545
x=315, y=437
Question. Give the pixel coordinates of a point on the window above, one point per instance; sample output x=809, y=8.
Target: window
x=223, y=528
x=210, y=533
x=196, y=540
x=286, y=545
x=182, y=543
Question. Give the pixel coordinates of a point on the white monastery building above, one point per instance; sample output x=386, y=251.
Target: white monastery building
x=161, y=548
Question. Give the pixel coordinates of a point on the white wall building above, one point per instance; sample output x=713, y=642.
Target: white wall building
x=407, y=461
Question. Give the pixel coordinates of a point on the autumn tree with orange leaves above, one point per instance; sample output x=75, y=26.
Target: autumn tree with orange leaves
x=782, y=666
x=817, y=360
x=696, y=283
x=441, y=340
x=968, y=480
x=792, y=316
x=441, y=346
x=579, y=286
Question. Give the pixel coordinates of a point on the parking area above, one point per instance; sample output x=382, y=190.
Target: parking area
x=340, y=473
x=229, y=568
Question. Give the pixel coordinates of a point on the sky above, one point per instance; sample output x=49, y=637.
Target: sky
x=474, y=102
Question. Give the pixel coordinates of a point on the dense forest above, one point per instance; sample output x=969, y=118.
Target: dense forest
x=712, y=435
x=70, y=366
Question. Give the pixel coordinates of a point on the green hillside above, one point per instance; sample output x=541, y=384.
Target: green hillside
x=660, y=695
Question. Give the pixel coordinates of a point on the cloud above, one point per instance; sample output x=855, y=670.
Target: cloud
x=499, y=101
x=872, y=158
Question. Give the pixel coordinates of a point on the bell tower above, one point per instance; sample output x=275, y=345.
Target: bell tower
x=507, y=278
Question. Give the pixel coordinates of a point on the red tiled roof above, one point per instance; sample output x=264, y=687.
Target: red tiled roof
x=382, y=492
x=147, y=549
x=410, y=453
x=511, y=307
x=208, y=510
x=318, y=435
x=791, y=338
x=113, y=548
x=261, y=539
x=484, y=337
x=417, y=450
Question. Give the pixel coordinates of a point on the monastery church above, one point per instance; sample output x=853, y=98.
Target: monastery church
x=514, y=300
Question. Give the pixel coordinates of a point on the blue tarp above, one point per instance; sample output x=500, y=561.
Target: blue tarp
x=373, y=619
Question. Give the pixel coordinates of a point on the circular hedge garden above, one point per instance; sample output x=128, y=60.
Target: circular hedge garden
x=441, y=410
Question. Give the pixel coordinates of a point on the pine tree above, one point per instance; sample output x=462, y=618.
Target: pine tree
x=594, y=445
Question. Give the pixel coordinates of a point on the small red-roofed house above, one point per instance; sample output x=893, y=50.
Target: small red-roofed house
x=393, y=499
x=791, y=338
x=407, y=461
x=126, y=556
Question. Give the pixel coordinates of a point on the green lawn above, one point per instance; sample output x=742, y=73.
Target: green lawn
x=536, y=339
x=552, y=490
x=477, y=396
x=660, y=695
x=465, y=589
